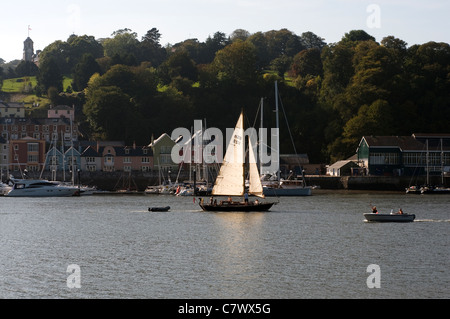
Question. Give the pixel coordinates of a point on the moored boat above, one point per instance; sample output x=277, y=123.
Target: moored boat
x=394, y=217
x=40, y=188
x=159, y=209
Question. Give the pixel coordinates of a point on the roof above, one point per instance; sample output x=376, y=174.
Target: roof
x=159, y=139
x=90, y=152
x=340, y=164
x=405, y=143
x=416, y=142
x=132, y=151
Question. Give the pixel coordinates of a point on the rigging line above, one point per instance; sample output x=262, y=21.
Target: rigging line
x=292, y=139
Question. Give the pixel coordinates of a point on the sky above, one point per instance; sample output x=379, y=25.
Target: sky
x=413, y=21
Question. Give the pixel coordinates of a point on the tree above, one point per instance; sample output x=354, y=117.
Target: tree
x=150, y=48
x=58, y=52
x=50, y=75
x=26, y=68
x=213, y=45
x=356, y=36
x=307, y=62
x=81, y=45
x=109, y=110
x=83, y=72
x=1, y=77
x=123, y=44
x=236, y=63
x=180, y=64
x=119, y=104
x=311, y=40
x=239, y=34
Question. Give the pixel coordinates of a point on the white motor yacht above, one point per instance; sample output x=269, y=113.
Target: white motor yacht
x=40, y=188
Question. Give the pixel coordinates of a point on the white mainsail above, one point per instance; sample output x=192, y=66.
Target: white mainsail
x=231, y=181
x=255, y=186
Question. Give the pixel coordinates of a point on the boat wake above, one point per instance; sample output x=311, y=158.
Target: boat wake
x=433, y=220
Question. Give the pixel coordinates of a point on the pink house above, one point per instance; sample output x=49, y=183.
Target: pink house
x=55, y=112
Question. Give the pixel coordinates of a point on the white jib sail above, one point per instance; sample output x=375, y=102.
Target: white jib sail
x=230, y=181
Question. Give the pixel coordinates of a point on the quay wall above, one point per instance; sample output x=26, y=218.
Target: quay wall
x=140, y=180
x=392, y=183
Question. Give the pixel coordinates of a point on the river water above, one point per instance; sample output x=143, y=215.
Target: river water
x=305, y=247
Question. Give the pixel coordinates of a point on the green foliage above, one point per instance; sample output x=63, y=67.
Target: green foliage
x=333, y=94
x=50, y=75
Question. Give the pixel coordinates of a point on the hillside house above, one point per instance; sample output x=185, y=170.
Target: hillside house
x=9, y=110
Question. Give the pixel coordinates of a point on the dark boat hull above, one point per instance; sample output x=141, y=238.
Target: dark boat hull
x=389, y=218
x=237, y=207
x=159, y=209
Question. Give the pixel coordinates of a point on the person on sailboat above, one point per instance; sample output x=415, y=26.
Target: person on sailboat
x=246, y=198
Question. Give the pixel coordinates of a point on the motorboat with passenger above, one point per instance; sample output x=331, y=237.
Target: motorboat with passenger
x=392, y=217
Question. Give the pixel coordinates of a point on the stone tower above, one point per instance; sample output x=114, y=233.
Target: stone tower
x=28, y=50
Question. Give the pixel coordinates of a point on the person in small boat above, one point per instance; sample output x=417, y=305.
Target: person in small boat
x=400, y=212
x=230, y=200
x=374, y=210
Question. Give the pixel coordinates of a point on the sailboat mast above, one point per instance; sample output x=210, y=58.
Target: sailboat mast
x=278, y=127
x=442, y=163
x=260, y=145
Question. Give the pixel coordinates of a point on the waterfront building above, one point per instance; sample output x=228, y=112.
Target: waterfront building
x=417, y=154
x=26, y=154
x=162, y=153
x=48, y=130
x=342, y=168
x=113, y=158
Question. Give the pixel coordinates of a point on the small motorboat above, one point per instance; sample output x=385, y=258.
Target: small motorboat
x=159, y=209
x=393, y=217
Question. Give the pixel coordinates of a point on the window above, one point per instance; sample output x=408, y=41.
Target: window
x=32, y=159
x=33, y=147
x=127, y=160
x=109, y=160
x=384, y=159
x=145, y=160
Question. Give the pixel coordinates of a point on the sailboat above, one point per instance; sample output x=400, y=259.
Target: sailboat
x=231, y=178
x=430, y=189
x=288, y=187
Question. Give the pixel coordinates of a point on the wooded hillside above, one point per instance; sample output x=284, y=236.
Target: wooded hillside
x=129, y=89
